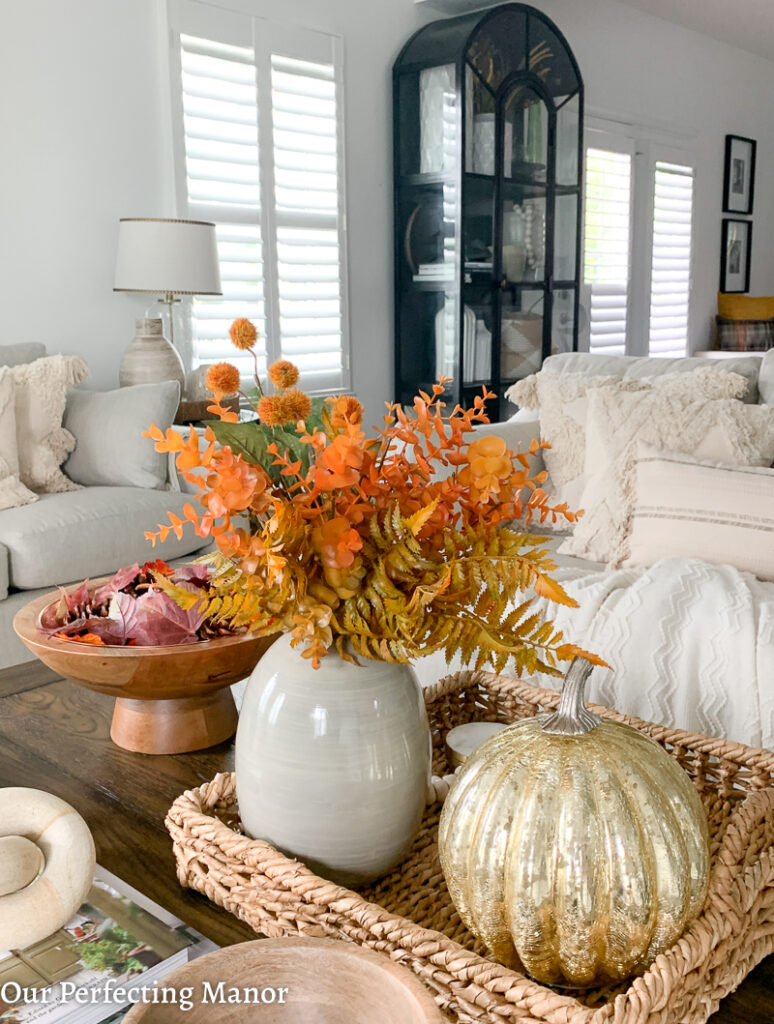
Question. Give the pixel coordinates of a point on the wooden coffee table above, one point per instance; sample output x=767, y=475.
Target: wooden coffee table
x=56, y=736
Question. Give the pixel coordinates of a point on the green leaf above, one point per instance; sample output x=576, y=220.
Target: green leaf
x=289, y=442
x=314, y=421
x=250, y=440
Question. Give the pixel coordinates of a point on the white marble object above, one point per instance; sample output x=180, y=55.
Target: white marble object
x=47, y=862
x=464, y=739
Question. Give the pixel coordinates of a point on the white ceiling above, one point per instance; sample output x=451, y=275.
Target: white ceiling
x=748, y=24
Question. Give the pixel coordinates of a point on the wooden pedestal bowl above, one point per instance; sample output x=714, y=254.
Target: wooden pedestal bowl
x=169, y=700
x=319, y=981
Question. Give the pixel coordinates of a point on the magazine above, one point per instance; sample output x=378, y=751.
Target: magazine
x=91, y=970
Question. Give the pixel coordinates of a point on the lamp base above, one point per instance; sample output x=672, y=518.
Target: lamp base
x=150, y=358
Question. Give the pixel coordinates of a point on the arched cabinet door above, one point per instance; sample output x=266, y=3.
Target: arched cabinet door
x=488, y=144
x=524, y=209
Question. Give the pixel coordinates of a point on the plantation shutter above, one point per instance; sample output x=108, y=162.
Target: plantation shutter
x=671, y=259
x=220, y=133
x=607, y=247
x=262, y=153
x=307, y=211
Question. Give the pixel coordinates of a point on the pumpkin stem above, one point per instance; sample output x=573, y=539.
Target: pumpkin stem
x=572, y=718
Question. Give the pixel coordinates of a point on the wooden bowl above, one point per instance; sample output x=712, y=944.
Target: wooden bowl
x=327, y=981
x=169, y=700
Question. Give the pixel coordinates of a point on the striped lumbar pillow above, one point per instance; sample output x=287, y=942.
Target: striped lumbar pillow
x=682, y=507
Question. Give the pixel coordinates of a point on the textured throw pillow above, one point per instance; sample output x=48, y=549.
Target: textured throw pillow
x=745, y=307
x=563, y=398
x=12, y=490
x=681, y=507
x=22, y=352
x=711, y=427
x=42, y=442
x=745, y=335
x=110, y=450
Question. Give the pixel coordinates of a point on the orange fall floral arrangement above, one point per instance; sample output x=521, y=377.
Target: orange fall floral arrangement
x=389, y=547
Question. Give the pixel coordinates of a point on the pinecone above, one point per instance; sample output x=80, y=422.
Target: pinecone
x=143, y=581
x=212, y=630
x=86, y=610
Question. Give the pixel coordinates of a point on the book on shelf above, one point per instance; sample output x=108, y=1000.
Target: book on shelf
x=90, y=971
x=434, y=272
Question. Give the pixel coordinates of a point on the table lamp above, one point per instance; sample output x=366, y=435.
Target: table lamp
x=172, y=257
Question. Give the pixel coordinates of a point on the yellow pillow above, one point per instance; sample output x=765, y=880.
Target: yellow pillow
x=745, y=307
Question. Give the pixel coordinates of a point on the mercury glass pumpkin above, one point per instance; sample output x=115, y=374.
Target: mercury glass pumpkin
x=574, y=847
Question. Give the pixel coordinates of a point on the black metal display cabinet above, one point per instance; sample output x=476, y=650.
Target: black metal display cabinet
x=488, y=150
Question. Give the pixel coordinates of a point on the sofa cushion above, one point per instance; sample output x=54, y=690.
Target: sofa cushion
x=88, y=532
x=110, y=450
x=40, y=393
x=4, y=582
x=682, y=507
x=652, y=366
x=24, y=352
x=12, y=490
x=720, y=429
x=563, y=401
x=766, y=378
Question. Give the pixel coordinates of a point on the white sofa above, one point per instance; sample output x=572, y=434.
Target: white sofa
x=691, y=644
x=64, y=538
x=524, y=427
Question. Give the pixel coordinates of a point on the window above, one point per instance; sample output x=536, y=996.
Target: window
x=637, y=246
x=220, y=130
x=607, y=246
x=260, y=153
x=670, y=278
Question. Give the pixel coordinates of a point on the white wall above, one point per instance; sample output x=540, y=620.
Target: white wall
x=658, y=73
x=83, y=123
x=86, y=141
x=80, y=131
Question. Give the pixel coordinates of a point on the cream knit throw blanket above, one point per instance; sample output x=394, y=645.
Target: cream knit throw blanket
x=691, y=645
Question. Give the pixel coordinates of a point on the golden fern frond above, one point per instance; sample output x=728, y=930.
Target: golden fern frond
x=187, y=599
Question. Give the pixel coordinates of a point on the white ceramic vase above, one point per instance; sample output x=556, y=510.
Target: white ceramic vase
x=333, y=764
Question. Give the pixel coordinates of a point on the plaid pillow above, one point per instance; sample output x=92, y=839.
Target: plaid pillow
x=745, y=335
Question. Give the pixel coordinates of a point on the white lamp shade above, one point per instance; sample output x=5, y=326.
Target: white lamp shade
x=178, y=256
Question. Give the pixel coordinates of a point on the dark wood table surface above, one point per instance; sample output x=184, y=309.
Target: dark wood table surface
x=54, y=735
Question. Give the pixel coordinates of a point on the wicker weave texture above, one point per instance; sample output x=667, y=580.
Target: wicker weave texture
x=409, y=914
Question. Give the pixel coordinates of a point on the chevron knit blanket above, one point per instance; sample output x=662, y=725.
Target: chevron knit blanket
x=691, y=645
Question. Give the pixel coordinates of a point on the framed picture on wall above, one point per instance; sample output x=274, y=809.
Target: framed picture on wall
x=739, y=176
x=736, y=248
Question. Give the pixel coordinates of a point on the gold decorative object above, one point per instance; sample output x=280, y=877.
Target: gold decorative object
x=409, y=915
x=576, y=848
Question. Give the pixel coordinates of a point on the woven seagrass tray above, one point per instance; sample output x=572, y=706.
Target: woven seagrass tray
x=409, y=914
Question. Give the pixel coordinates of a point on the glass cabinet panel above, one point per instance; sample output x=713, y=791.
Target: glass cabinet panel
x=563, y=327
x=488, y=135
x=565, y=237
x=567, y=153
x=437, y=120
